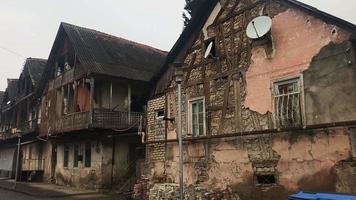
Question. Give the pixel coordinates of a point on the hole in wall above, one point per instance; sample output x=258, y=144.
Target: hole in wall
x=266, y=179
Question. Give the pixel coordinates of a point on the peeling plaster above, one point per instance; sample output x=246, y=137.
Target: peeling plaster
x=290, y=29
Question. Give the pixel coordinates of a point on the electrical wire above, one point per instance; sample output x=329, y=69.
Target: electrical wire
x=12, y=52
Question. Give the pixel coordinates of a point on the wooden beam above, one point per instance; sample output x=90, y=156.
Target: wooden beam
x=190, y=68
x=237, y=93
x=225, y=104
x=91, y=99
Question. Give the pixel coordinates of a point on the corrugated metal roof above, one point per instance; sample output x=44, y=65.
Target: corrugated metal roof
x=105, y=54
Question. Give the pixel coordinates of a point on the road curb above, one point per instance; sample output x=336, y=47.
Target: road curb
x=47, y=196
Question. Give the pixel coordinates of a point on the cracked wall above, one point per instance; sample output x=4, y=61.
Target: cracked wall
x=291, y=30
x=237, y=91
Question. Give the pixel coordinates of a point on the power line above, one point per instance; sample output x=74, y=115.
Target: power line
x=13, y=52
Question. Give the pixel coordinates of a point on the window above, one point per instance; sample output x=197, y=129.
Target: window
x=65, y=156
x=76, y=155
x=287, y=103
x=87, y=162
x=266, y=179
x=212, y=53
x=159, y=114
x=197, y=117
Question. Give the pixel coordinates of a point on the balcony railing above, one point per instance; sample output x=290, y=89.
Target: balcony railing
x=27, y=126
x=63, y=79
x=73, y=121
x=99, y=118
x=32, y=165
x=106, y=118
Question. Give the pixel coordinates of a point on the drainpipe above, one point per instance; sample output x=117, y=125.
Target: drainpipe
x=179, y=78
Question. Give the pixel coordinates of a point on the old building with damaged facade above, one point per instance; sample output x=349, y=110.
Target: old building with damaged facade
x=20, y=116
x=79, y=116
x=263, y=117
x=93, y=94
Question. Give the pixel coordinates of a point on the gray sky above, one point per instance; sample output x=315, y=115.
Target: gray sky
x=29, y=27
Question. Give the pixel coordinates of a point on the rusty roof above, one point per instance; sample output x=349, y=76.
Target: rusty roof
x=105, y=54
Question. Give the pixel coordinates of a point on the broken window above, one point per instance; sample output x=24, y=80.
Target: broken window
x=87, y=162
x=159, y=114
x=287, y=103
x=76, y=155
x=211, y=51
x=266, y=179
x=197, y=117
x=65, y=156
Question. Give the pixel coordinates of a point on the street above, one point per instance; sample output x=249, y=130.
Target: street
x=11, y=195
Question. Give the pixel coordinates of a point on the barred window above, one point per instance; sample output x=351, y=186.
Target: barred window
x=197, y=117
x=287, y=103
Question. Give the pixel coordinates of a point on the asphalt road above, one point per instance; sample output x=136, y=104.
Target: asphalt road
x=10, y=195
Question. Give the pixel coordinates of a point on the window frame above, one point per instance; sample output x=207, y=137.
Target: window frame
x=214, y=47
x=285, y=80
x=156, y=114
x=190, y=116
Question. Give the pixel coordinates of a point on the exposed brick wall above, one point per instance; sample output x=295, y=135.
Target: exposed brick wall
x=299, y=159
x=156, y=129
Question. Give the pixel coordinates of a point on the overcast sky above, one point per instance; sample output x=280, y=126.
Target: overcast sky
x=28, y=28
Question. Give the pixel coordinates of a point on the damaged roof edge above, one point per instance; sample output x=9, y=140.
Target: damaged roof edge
x=321, y=14
x=203, y=13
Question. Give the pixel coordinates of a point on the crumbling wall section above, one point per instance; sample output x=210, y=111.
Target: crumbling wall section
x=306, y=160
x=236, y=86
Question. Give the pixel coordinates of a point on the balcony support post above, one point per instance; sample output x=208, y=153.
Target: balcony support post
x=91, y=99
x=110, y=106
x=129, y=102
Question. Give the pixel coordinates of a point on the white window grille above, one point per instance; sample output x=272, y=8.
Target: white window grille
x=197, y=117
x=287, y=97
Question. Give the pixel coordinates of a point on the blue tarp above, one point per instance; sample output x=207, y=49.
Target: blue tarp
x=320, y=196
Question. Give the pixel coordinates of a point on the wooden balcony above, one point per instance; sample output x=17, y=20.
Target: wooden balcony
x=63, y=79
x=32, y=165
x=99, y=118
x=27, y=127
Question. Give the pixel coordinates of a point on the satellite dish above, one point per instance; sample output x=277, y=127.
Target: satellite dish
x=259, y=27
x=208, y=50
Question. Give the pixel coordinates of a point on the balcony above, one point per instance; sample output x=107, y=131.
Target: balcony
x=63, y=79
x=99, y=118
x=27, y=127
x=12, y=131
x=32, y=165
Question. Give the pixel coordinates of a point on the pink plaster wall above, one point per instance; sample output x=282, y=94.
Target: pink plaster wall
x=310, y=156
x=297, y=38
x=304, y=159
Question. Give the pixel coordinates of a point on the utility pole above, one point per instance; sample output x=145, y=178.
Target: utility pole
x=179, y=78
